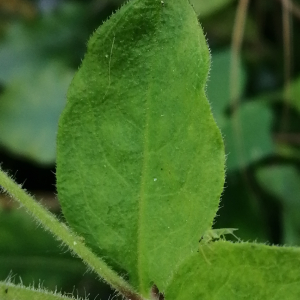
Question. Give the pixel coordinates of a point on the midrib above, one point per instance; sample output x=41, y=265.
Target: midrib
x=141, y=205
x=142, y=195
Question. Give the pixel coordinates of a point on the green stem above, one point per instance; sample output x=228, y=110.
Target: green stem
x=63, y=233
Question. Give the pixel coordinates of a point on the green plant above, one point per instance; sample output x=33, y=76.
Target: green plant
x=140, y=169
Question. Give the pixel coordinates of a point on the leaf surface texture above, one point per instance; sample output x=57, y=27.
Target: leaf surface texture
x=224, y=270
x=140, y=164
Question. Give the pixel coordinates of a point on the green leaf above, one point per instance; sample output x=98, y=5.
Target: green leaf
x=205, y=8
x=248, y=135
x=295, y=93
x=218, y=86
x=34, y=76
x=26, y=46
x=247, y=132
x=223, y=270
x=9, y=291
x=140, y=164
x=29, y=112
x=284, y=183
x=288, y=151
x=19, y=53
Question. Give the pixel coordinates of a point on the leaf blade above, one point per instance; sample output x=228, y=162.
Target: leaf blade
x=147, y=139
x=9, y=291
x=238, y=271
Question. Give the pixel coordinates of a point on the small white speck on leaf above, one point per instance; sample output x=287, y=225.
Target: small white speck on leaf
x=74, y=243
x=155, y=179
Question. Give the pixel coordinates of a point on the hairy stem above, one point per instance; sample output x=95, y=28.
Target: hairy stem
x=63, y=233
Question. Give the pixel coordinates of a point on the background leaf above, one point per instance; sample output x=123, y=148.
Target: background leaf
x=283, y=182
x=29, y=112
x=223, y=270
x=246, y=131
x=205, y=8
x=27, y=47
x=35, y=72
x=140, y=164
x=247, y=135
x=218, y=85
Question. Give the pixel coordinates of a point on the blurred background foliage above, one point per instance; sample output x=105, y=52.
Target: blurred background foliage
x=253, y=88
